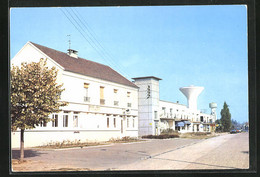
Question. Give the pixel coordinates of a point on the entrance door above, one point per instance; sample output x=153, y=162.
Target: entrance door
x=122, y=126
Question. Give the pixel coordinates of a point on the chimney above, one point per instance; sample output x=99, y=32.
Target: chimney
x=73, y=53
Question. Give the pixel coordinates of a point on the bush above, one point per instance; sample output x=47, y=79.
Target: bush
x=123, y=139
x=169, y=131
x=201, y=133
x=162, y=136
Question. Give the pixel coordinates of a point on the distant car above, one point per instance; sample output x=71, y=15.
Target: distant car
x=233, y=131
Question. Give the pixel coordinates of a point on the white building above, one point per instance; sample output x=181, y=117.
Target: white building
x=102, y=103
x=156, y=115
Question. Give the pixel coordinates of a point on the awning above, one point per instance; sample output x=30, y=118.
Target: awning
x=186, y=122
x=179, y=124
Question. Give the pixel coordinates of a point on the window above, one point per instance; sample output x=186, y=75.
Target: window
x=164, y=110
x=127, y=122
x=116, y=102
x=43, y=123
x=129, y=104
x=128, y=94
x=133, y=122
x=108, y=122
x=86, y=97
x=65, y=120
x=114, y=122
x=102, y=100
x=75, y=121
x=155, y=114
x=54, y=120
x=171, y=112
x=201, y=118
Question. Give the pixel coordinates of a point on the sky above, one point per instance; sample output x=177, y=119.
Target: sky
x=183, y=45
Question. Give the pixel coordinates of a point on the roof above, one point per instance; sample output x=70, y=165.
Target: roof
x=85, y=67
x=147, y=77
x=173, y=103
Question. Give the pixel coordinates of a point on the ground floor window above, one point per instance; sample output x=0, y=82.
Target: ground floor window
x=75, y=120
x=65, y=120
x=114, y=122
x=108, y=122
x=43, y=124
x=122, y=126
x=133, y=122
x=55, y=120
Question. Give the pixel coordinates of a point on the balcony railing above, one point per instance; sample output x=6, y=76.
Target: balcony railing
x=102, y=101
x=86, y=99
x=116, y=103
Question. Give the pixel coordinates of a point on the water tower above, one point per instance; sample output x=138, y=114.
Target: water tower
x=213, y=107
x=192, y=93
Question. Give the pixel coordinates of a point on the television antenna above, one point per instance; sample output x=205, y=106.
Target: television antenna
x=69, y=40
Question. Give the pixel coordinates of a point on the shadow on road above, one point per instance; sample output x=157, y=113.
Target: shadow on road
x=27, y=153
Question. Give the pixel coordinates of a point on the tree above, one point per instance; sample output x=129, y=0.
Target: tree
x=235, y=124
x=34, y=96
x=225, y=118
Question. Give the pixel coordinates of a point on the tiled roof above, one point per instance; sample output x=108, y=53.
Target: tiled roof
x=85, y=67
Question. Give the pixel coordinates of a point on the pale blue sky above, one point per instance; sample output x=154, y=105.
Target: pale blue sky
x=184, y=45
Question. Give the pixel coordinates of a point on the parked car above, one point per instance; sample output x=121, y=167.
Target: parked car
x=233, y=131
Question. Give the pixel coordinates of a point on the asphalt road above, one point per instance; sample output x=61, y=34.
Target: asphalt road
x=228, y=151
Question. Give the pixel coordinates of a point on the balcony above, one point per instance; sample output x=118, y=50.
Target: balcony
x=166, y=115
x=116, y=103
x=86, y=99
x=102, y=101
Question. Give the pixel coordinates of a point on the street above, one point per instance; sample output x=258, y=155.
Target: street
x=228, y=151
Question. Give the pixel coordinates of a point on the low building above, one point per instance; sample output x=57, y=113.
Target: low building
x=156, y=116
x=102, y=103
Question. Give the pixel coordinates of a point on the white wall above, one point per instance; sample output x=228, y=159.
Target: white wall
x=92, y=121
x=148, y=106
x=30, y=53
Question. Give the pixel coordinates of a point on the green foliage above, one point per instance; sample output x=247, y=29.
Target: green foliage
x=34, y=94
x=162, y=136
x=169, y=131
x=225, y=118
x=235, y=124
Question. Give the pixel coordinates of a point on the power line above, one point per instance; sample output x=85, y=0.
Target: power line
x=101, y=48
x=93, y=34
x=91, y=42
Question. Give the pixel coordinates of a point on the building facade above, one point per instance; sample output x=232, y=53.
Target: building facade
x=156, y=116
x=102, y=103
